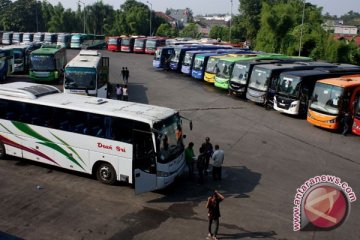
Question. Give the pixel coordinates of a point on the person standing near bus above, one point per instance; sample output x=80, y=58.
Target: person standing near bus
x=119, y=92
x=189, y=158
x=345, y=123
x=208, y=148
x=218, y=159
x=125, y=93
x=213, y=206
x=201, y=164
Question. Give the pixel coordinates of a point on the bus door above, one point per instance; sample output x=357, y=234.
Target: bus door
x=103, y=78
x=144, y=162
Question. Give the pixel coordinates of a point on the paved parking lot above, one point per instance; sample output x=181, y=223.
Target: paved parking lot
x=267, y=157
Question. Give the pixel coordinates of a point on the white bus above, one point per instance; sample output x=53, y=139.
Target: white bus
x=112, y=140
x=87, y=74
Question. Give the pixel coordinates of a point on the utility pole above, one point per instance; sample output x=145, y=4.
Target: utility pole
x=231, y=7
x=84, y=13
x=150, y=17
x=302, y=26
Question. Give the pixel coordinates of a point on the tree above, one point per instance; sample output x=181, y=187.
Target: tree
x=165, y=30
x=191, y=30
x=130, y=18
x=219, y=32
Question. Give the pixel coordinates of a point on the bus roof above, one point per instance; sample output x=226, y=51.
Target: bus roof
x=86, y=58
x=50, y=96
x=275, y=66
x=322, y=71
x=238, y=58
x=47, y=49
x=344, y=82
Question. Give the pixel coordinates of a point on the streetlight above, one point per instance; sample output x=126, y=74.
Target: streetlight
x=84, y=12
x=231, y=2
x=302, y=26
x=37, y=20
x=150, y=16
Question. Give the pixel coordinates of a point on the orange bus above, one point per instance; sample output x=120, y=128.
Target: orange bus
x=331, y=99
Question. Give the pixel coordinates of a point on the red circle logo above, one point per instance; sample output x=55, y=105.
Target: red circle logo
x=326, y=207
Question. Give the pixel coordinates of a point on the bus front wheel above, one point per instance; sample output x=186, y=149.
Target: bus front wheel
x=2, y=151
x=106, y=174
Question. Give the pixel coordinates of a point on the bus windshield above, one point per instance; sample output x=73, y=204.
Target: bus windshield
x=125, y=42
x=239, y=73
x=211, y=65
x=187, y=59
x=61, y=38
x=18, y=56
x=42, y=62
x=176, y=56
x=289, y=86
x=139, y=43
x=151, y=43
x=326, y=98
x=112, y=41
x=80, y=78
x=169, y=146
x=224, y=69
x=198, y=63
x=259, y=79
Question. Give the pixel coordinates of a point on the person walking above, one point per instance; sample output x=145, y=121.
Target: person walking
x=208, y=148
x=213, y=206
x=127, y=73
x=119, y=92
x=201, y=164
x=123, y=74
x=125, y=93
x=218, y=160
x=189, y=158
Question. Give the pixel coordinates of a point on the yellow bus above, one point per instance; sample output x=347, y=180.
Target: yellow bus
x=211, y=67
x=331, y=99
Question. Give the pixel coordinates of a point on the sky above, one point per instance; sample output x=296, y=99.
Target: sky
x=334, y=7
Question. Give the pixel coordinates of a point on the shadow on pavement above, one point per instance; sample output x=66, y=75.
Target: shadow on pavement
x=237, y=182
x=247, y=234
x=6, y=236
x=137, y=93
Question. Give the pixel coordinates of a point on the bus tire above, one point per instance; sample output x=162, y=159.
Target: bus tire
x=106, y=174
x=2, y=151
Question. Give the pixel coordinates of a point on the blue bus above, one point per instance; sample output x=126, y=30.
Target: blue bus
x=179, y=53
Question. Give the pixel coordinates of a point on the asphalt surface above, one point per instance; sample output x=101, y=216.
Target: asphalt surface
x=268, y=155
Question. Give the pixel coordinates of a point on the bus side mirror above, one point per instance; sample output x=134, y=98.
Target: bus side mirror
x=191, y=125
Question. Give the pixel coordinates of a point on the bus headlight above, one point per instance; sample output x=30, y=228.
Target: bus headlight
x=331, y=121
x=162, y=174
x=293, y=105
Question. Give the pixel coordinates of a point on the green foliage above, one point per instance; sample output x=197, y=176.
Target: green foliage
x=191, y=31
x=219, y=32
x=165, y=30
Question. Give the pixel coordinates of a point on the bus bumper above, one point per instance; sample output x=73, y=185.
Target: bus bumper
x=323, y=121
x=292, y=108
x=221, y=83
x=209, y=77
x=44, y=76
x=185, y=69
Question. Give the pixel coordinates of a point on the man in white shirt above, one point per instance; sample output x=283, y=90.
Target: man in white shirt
x=218, y=160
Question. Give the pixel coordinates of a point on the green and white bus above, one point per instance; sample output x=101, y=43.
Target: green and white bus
x=112, y=140
x=87, y=74
x=47, y=63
